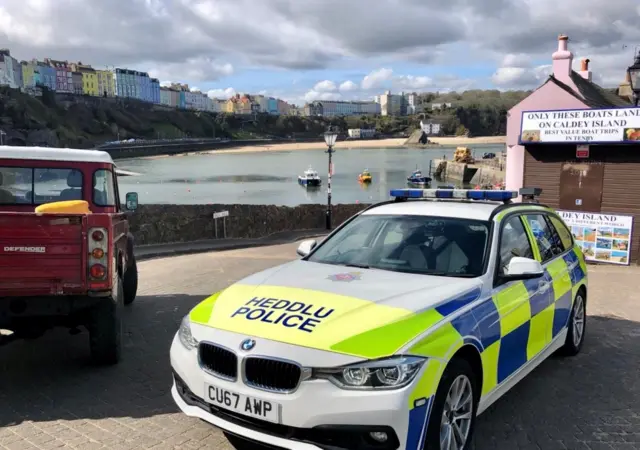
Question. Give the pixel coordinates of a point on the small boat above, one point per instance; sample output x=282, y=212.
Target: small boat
x=365, y=177
x=417, y=178
x=309, y=178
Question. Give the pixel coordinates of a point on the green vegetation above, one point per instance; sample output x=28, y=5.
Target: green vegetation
x=86, y=121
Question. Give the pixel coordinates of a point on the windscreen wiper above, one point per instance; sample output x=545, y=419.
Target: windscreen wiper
x=359, y=266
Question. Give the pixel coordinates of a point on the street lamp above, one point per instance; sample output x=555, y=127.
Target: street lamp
x=634, y=79
x=330, y=139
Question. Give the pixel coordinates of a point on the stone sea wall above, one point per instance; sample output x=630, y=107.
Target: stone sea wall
x=157, y=224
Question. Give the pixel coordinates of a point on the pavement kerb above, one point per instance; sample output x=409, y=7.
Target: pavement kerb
x=152, y=251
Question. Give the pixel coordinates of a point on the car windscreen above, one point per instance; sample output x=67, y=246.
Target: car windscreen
x=427, y=245
x=35, y=186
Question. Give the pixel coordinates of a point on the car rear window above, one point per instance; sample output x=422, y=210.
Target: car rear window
x=35, y=186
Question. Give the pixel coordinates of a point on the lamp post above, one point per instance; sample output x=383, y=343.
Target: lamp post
x=330, y=139
x=634, y=78
x=2, y=135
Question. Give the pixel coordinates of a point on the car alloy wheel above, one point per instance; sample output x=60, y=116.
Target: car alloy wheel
x=457, y=415
x=578, y=320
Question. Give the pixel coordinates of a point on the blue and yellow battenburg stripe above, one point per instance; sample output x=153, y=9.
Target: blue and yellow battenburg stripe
x=509, y=328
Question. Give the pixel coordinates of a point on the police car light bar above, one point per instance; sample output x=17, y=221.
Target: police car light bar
x=466, y=194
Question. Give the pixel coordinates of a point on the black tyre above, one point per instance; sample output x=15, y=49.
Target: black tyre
x=453, y=415
x=131, y=283
x=105, y=328
x=242, y=444
x=577, y=327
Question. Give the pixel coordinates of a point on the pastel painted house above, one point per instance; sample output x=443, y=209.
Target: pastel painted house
x=580, y=143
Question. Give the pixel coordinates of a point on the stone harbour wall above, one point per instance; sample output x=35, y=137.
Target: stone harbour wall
x=159, y=224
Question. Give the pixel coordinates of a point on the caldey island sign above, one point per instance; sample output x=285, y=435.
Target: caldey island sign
x=588, y=126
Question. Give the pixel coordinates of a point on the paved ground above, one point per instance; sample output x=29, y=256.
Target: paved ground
x=51, y=398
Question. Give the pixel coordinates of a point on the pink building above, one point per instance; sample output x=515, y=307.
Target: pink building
x=580, y=144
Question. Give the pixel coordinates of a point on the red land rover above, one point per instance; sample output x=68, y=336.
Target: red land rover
x=62, y=268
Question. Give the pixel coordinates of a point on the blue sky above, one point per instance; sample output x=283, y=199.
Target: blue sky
x=301, y=50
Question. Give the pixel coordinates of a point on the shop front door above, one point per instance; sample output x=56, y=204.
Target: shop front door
x=581, y=186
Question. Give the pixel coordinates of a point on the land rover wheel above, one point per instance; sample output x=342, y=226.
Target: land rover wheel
x=455, y=404
x=105, y=327
x=131, y=283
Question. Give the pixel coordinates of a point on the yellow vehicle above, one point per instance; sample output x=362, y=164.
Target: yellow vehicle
x=463, y=155
x=365, y=177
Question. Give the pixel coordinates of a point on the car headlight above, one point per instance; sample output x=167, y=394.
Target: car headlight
x=391, y=373
x=185, y=336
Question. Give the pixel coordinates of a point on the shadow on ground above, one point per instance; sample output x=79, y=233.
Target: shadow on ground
x=52, y=378
x=592, y=399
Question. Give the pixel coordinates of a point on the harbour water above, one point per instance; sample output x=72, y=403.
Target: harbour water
x=271, y=177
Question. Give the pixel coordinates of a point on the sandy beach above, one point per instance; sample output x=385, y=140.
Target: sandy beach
x=379, y=143
x=376, y=143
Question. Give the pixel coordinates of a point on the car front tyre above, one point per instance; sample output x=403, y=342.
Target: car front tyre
x=453, y=415
x=577, y=327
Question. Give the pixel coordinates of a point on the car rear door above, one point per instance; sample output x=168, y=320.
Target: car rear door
x=551, y=251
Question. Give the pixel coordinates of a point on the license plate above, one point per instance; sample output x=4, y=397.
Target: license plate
x=243, y=404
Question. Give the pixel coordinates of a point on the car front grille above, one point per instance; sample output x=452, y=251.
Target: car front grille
x=218, y=361
x=271, y=375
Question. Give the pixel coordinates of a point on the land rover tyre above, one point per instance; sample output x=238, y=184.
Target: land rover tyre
x=241, y=444
x=105, y=327
x=131, y=283
x=576, y=327
x=453, y=414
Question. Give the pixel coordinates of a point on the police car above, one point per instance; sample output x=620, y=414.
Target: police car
x=395, y=332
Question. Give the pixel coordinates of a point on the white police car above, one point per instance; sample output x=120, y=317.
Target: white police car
x=393, y=333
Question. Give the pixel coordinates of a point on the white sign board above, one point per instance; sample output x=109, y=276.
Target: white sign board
x=221, y=214
x=604, y=238
x=588, y=126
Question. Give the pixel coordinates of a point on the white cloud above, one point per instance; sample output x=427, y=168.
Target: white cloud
x=325, y=86
x=376, y=78
x=411, y=82
x=222, y=93
x=203, y=41
x=521, y=77
x=313, y=95
x=193, y=70
x=348, y=86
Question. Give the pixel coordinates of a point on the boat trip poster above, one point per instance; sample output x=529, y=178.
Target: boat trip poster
x=605, y=238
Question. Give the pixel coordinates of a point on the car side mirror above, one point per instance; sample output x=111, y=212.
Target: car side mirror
x=131, y=201
x=523, y=269
x=305, y=247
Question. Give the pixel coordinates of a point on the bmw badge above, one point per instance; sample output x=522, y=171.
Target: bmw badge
x=247, y=344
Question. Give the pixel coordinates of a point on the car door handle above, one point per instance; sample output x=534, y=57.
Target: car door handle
x=543, y=286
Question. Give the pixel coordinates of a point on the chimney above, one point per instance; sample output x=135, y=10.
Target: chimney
x=562, y=60
x=584, y=69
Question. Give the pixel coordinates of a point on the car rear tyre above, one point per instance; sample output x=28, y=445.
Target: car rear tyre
x=242, y=444
x=577, y=327
x=131, y=283
x=453, y=415
x=105, y=328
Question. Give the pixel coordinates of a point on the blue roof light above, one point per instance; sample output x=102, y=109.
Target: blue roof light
x=467, y=194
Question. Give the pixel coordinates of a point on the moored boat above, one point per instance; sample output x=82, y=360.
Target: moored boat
x=309, y=178
x=365, y=177
x=417, y=178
